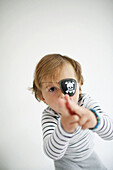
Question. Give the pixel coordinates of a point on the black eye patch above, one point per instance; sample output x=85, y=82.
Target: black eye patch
x=68, y=86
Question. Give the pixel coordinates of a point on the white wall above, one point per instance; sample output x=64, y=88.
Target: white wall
x=29, y=29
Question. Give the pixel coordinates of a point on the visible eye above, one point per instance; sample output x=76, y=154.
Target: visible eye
x=52, y=89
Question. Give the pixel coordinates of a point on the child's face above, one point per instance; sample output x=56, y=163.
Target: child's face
x=51, y=92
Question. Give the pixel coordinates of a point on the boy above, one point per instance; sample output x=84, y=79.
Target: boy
x=71, y=118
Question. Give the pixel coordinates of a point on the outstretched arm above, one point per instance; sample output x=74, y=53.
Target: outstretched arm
x=77, y=116
x=88, y=119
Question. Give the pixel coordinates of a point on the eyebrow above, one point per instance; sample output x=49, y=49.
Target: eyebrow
x=52, y=83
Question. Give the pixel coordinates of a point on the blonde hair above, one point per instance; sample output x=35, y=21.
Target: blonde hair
x=46, y=68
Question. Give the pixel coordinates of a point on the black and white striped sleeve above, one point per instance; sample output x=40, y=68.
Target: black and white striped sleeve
x=105, y=128
x=55, y=139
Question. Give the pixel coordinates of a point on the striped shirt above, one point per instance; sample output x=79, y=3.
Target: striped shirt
x=76, y=146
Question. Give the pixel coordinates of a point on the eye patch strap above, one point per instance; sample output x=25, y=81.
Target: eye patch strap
x=68, y=86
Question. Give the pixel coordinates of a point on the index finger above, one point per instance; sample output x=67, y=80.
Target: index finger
x=71, y=106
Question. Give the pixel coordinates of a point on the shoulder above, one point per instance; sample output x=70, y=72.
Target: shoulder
x=83, y=97
x=49, y=117
x=49, y=112
x=86, y=100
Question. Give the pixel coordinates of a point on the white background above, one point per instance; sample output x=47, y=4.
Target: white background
x=30, y=29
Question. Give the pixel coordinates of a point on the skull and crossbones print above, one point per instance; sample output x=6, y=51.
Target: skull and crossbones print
x=70, y=87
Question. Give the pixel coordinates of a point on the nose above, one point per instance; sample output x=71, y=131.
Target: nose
x=61, y=94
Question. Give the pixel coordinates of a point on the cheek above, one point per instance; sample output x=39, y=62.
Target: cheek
x=44, y=97
x=48, y=99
